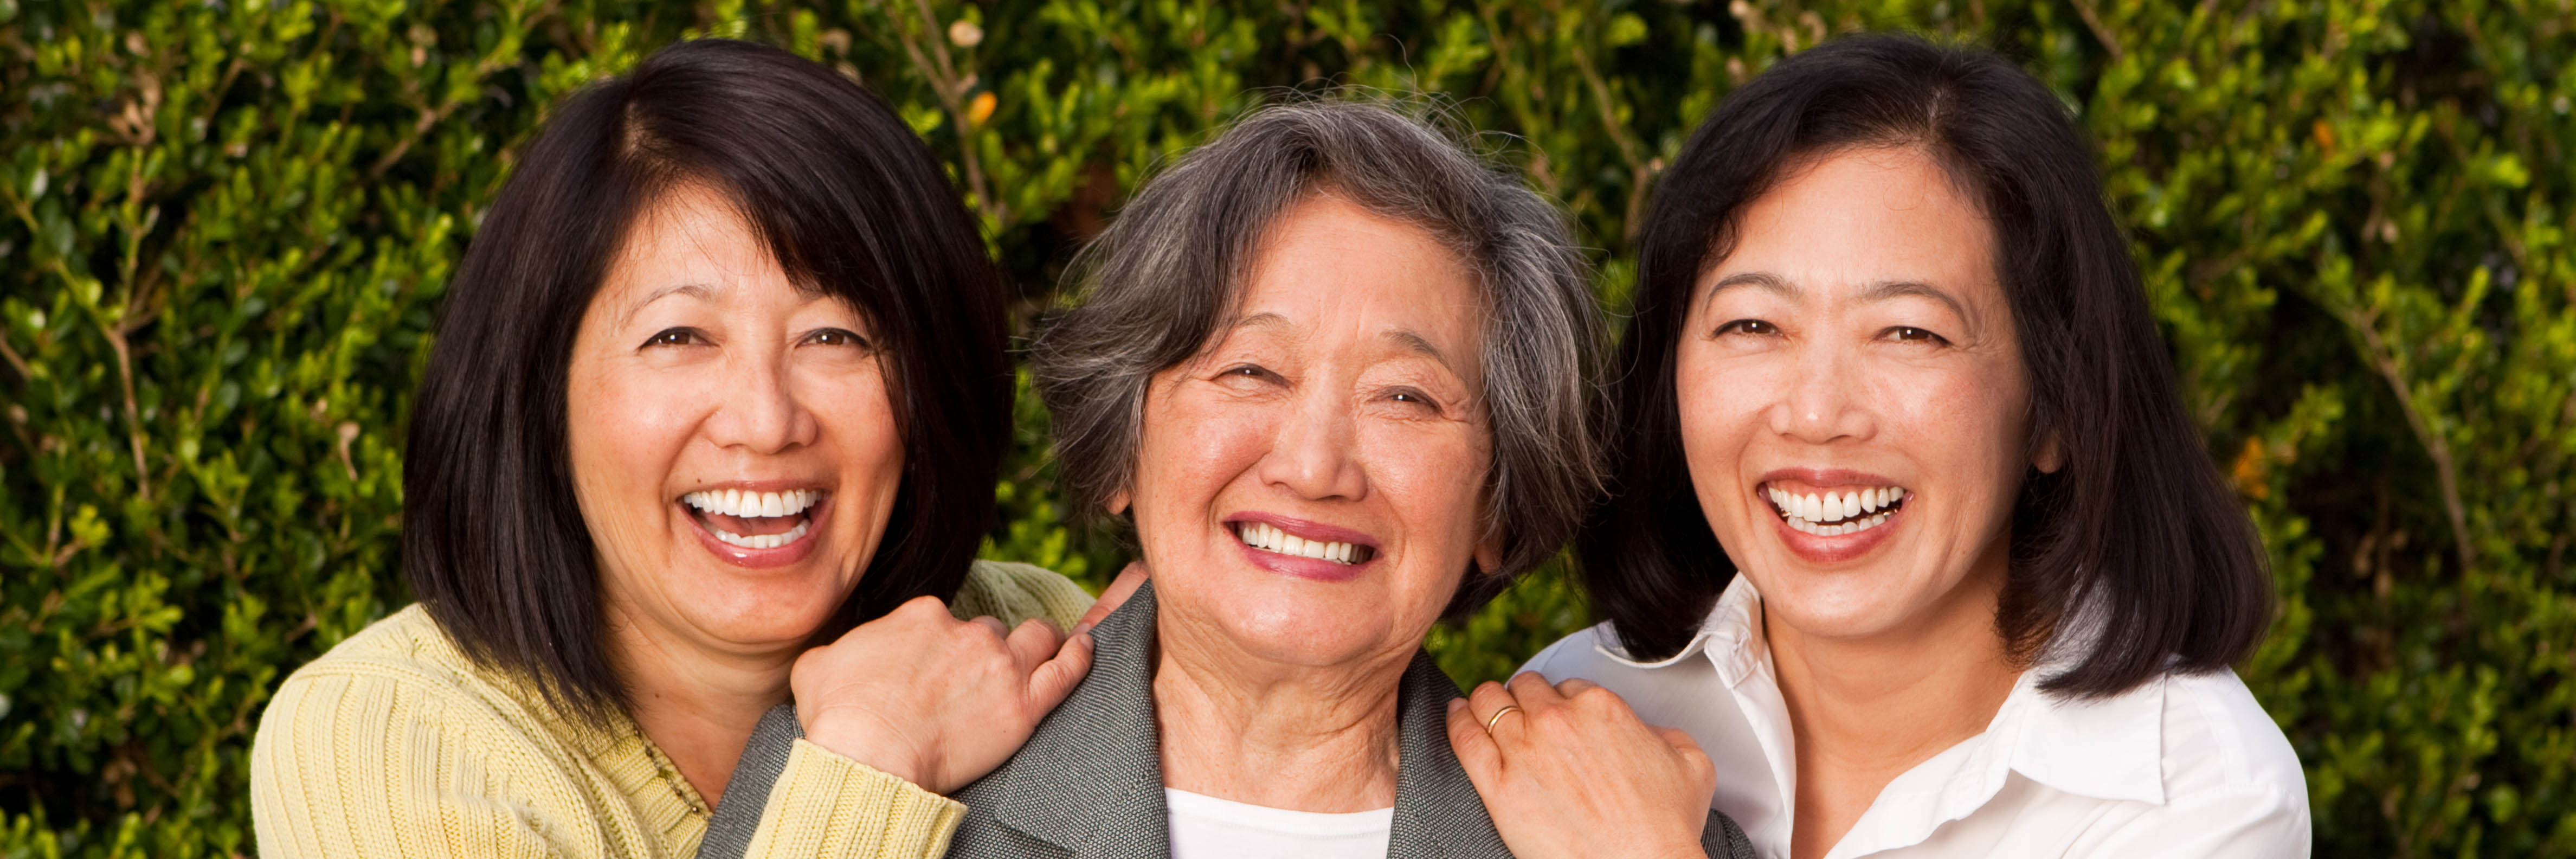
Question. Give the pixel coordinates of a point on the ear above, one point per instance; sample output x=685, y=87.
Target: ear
x=1118, y=503
x=1489, y=555
x=2050, y=457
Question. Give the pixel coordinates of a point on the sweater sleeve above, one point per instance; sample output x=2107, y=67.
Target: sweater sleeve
x=827, y=805
x=360, y=766
x=1014, y=592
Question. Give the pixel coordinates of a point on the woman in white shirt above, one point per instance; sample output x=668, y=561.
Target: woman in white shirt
x=1910, y=533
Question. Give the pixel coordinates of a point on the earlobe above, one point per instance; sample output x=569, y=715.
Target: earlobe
x=1118, y=503
x=2050, y=457
x=1489, y=555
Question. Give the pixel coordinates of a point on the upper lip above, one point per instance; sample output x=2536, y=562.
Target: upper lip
x=1826, y=477
x=1306, y=529
x=758, y=486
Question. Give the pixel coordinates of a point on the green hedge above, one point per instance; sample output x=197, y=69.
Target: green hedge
x=225, y=226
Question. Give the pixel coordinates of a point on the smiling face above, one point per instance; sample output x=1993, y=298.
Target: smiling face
x=1309, y=485
x=1853, y=402
x=734, y=447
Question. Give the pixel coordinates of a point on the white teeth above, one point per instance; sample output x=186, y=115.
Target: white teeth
x=1845, y=509
x=763, y=541
x=735, y=502
x=1270, y=539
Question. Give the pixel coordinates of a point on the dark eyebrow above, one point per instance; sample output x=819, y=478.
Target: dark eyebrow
x=699, y=291
x=1760, y=279
x=1887, y=289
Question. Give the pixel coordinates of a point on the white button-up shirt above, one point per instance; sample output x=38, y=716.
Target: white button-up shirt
x=2184, y=765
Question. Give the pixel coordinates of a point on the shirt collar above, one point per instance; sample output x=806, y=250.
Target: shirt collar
x=1728, y=636
x=2107, y=748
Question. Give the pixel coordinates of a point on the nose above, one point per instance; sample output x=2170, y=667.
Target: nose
x=1311, y=451
x=1825, y=400
x=757, y=408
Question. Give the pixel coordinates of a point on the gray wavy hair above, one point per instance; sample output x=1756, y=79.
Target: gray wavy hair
x=1168, y=274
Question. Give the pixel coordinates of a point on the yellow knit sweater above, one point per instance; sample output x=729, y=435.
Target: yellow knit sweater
x=394, y=745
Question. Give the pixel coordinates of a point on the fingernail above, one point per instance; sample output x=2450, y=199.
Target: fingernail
x=1082, y=627
x=1456, y=704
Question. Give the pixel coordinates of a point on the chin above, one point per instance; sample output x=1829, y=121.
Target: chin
x=1306, y=634
x=763, y=611
x=1838, y=604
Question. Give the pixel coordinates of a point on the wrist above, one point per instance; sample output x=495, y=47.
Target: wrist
x=865, y=739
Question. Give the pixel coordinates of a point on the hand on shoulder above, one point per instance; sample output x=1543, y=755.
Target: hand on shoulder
x=1569, y=771
x=932, y=699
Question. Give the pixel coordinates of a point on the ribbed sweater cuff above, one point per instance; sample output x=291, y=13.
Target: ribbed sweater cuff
x=827, y=805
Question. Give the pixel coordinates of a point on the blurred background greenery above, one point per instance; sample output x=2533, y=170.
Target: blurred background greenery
x=225, y=226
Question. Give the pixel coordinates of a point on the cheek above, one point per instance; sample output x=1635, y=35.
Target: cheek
x=858, y=417
x=1968, y=421
x=1190, y=448
x=1720, y=405
x=1433, y=479
x=624, y=430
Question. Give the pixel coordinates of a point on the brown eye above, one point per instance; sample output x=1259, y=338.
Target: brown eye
x=837, y=337
x=674, y=337
x=1411, y=397
x=1755, y=327
x=1912, y=334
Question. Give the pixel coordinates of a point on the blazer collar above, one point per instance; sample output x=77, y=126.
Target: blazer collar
x=1090, y=779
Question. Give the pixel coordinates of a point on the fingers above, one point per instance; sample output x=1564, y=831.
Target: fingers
x=1488, y=700
x=992, y=624
x=1475, y=749
x=1031, y=645
x=1114, y=595
x=1053, y=681
x=919, y=606
x=1531, y=691
x=1694, y=761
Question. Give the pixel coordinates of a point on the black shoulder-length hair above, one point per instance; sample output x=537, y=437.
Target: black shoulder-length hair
x=2135, y=546
x=851, y=204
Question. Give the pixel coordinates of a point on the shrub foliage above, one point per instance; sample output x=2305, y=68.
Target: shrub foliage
x=225, y=227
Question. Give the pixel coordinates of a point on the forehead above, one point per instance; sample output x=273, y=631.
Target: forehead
x=1866, y=216
x=689, y=226
x=1328, y=265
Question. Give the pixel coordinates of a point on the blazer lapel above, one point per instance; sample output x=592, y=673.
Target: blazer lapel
x=1437, y=811
x=1090, y=779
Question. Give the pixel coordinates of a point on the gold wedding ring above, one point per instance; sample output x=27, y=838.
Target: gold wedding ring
x=1498, y=716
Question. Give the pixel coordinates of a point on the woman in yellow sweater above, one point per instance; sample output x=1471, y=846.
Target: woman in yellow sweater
x=713, y=416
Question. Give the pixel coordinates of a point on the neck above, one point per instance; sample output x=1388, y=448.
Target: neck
x=697, y=704
x=1864, y=710
x=1305, y=738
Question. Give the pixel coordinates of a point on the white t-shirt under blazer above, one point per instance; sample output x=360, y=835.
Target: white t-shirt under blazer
x=2184, y=765
x=1205, y=827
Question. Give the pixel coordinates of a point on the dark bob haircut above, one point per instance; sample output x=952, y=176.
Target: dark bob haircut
x=2135, y=548
x=850, y=203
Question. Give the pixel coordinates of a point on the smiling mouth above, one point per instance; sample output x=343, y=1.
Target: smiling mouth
x=1268, y=538
x=1833, y=514
x=754, y=520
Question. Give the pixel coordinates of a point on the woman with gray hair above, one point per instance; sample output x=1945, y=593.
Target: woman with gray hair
x=1340, y=377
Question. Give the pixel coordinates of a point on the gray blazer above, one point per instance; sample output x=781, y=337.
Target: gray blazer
x=1089, y=783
